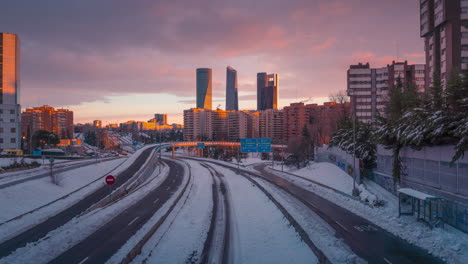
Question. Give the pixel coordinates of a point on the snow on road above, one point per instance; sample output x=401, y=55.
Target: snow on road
x=21, y=198
x=181, y=238
x=77, y=229
x=260, y=233
x=448, y=243
x=319, y=231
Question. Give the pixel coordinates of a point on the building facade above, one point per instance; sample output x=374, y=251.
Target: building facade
x=267, y=91
x=232, y=98
x=10, y=133
x=57, y=121
x=444, y=27
x=368, y=87
x=272, y=125
x=204, y=88
x=97, y=123
x=161, y=119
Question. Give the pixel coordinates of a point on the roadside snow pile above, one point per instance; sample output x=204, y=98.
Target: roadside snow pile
x=330, y=175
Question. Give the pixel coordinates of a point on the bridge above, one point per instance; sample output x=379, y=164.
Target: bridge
x=177, y=144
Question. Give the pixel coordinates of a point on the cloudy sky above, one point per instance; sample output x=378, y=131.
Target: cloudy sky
x=117, y=60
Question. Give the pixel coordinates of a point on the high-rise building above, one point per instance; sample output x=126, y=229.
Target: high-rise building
x=161, y=119
x=198, y=124
x=10, y=137
x=444, y=27
x=267, y=91
x=97, y=123
x=272, y=125
x=232, y=101
x=204, y=88
x=57, y=121
x=368, y=87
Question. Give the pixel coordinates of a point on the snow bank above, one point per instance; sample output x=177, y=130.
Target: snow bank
x=21, y=198
x=77, y=229
x=260, y=232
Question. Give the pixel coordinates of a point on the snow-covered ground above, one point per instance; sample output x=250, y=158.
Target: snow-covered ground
x=447, y=243
x=330, y=175
x=181, y=238
x=32, y=195
x=21, y=198
x=260, y=233
x=4, y=162
x=79, y=228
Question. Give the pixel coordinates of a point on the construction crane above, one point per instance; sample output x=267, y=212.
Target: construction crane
x=218, y=107
x=307, y=100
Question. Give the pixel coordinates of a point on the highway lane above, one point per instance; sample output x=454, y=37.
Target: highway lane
x=40, y=230
x=106, y=241
x=367, y=240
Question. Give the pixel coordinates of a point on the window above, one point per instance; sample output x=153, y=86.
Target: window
x=12, y=120
x=12, y=111
x=464, y=34
x=12, y=140
x=465, y=59
x=1, y=111
x=13, y=130
x=464, y=47
x=1, y=129
x=464, y=10
x=1, y=140
x=443, y=52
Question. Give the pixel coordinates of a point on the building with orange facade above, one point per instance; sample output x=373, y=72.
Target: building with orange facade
x=10, y=137
x=57, y=121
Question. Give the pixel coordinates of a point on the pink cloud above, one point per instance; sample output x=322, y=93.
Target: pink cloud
x=326, y=44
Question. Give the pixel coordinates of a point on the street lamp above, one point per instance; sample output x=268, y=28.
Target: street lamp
x=355, y=190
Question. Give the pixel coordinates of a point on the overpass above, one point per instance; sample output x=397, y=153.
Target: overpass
x=177, y=144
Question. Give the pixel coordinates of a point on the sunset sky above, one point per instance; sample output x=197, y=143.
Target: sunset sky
x=117, y=60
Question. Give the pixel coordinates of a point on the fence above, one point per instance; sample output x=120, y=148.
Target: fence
x=429, y=170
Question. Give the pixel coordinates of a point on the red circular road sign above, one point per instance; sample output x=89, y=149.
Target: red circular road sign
x=110, y=179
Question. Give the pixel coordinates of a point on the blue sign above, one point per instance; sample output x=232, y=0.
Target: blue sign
x=201, y=145
x=248, y=145
x=37, y=153
x=264, y=145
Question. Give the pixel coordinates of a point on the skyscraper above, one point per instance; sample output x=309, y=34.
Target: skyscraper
x=232, y=102
x=204, y=88
x=444, y=27
x=267, y=91
x=9, y=92
x=161, y=118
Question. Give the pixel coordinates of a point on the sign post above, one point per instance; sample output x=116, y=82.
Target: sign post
x=109, y=181
x=54, y=180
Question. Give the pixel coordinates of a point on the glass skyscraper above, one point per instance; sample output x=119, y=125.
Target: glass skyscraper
x=204, y=91
x=232, y=102
x=267, y=91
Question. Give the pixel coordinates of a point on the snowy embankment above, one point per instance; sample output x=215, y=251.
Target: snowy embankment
x=181, y=237
x=448, y=243
x=80, y=227
x=260, y=232
x=43, y=199
x=330, y=175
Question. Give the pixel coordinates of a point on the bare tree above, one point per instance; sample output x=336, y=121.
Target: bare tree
x=339, y=97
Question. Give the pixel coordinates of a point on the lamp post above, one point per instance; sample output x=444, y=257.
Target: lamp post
x=355, y=190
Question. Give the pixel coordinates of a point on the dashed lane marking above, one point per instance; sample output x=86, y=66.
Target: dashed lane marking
x=386, y=260
x=84, y=260
x=342, y=226
x=155, y=201
x=133, y=220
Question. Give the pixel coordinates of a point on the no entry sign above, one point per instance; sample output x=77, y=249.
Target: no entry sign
x=110, y=179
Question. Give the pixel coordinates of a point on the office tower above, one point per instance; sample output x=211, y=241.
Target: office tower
x=368, y=87
x=161, y=119
x=444, y=27
x=97, y=123
x=204, y=91
x=267, y=91
x=10, y=137
x=232, y=102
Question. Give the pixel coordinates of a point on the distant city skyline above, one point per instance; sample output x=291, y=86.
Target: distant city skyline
x=154, y=72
